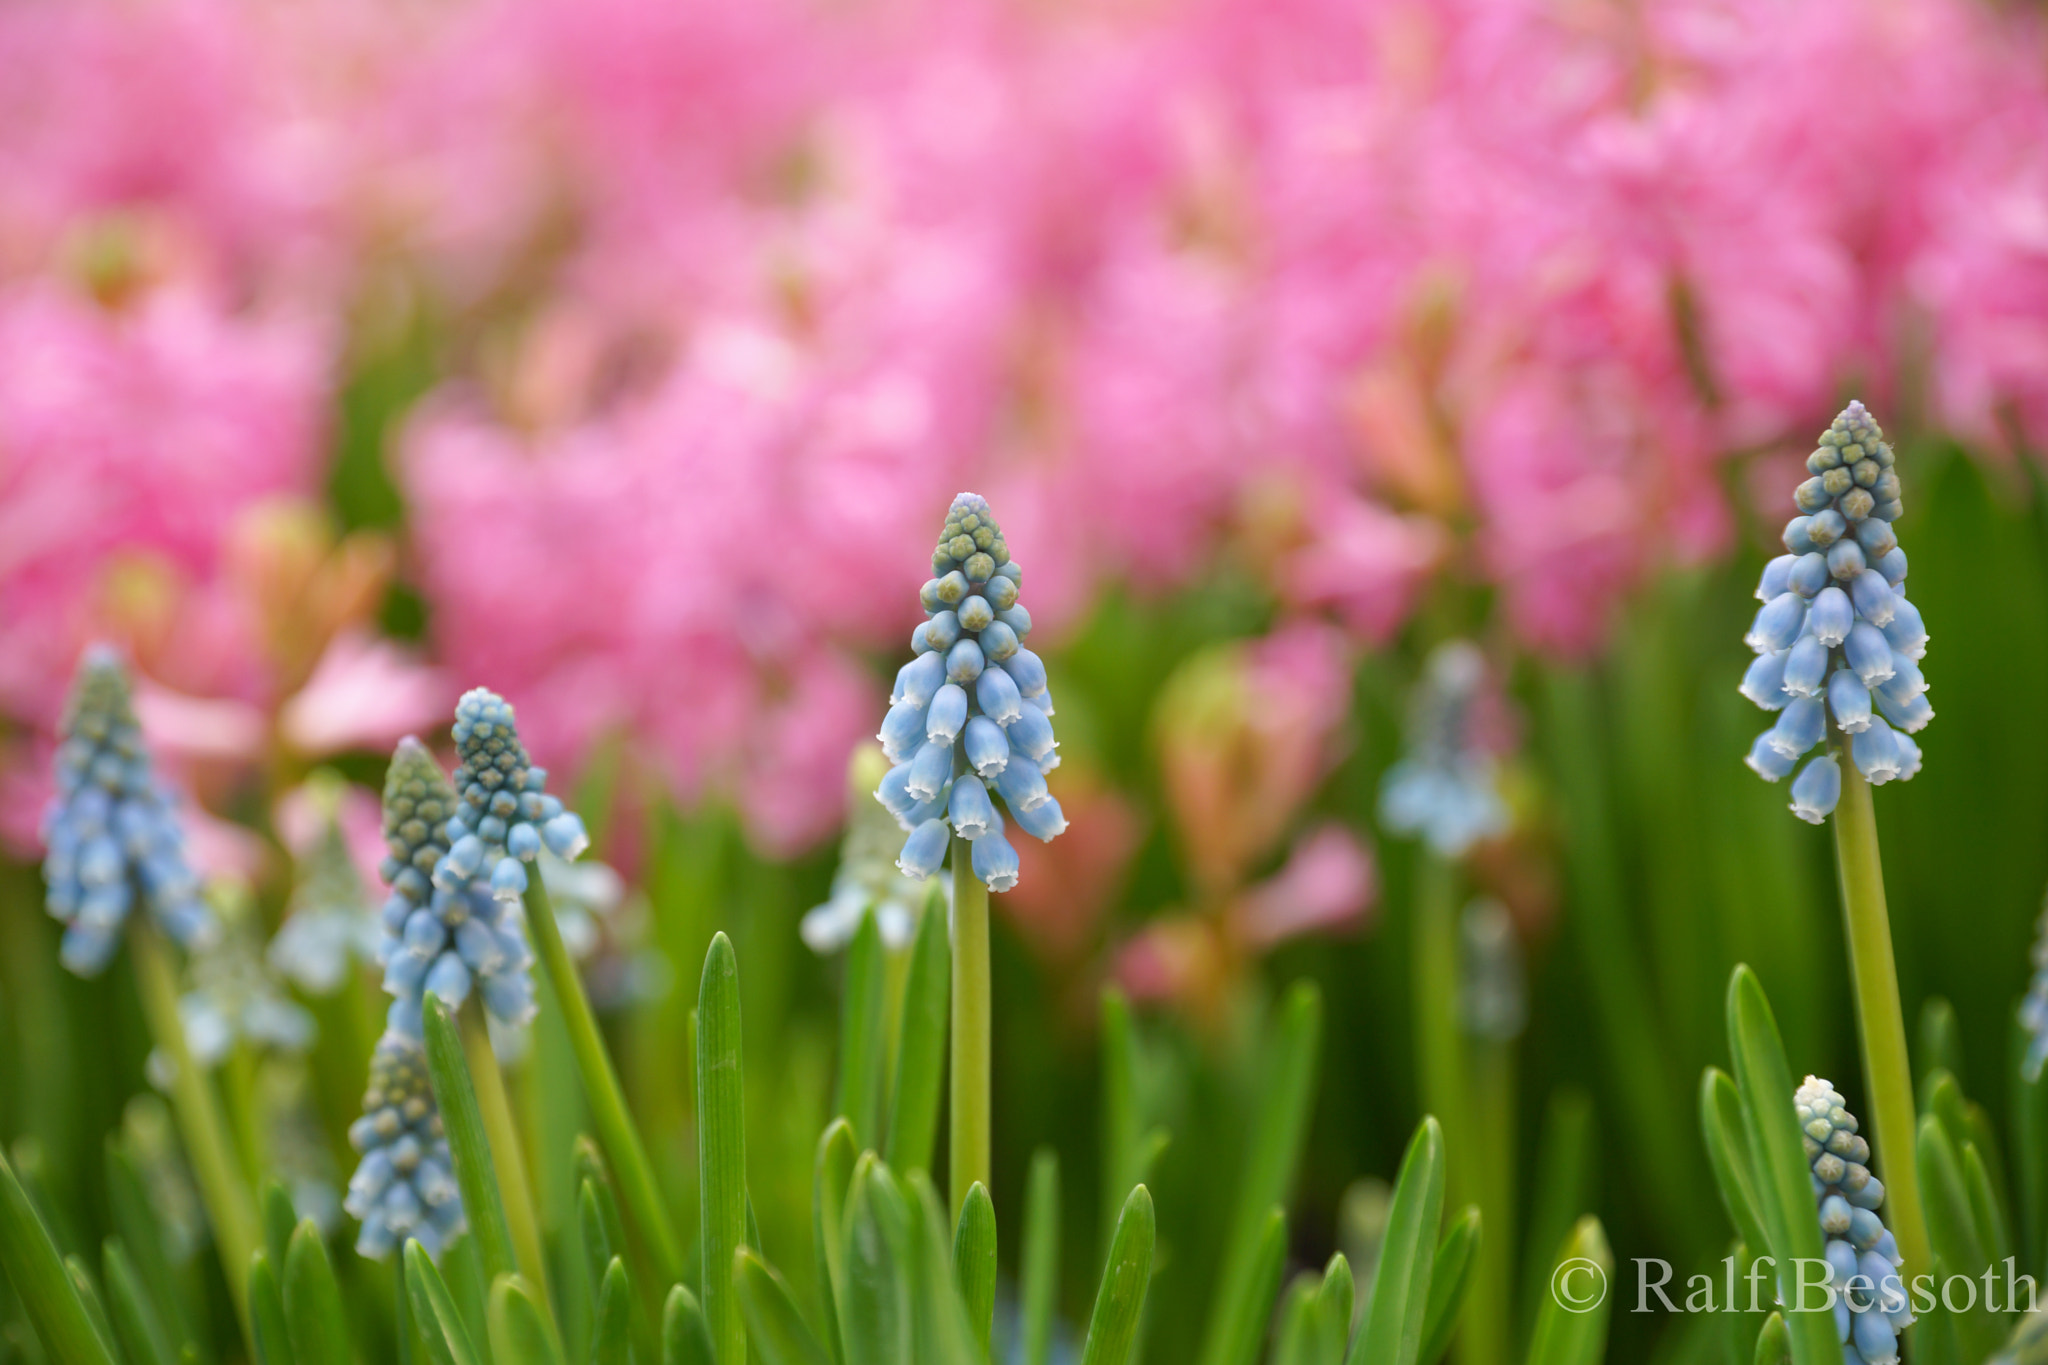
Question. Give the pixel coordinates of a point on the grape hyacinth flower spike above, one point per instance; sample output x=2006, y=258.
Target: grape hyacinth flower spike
x=111, y=832
x=442, y=934
x=2034, y=1009
x=404, y=1186
x=969, y=720
x=1871, y=1309
x=1836, y=640
x=505, y=814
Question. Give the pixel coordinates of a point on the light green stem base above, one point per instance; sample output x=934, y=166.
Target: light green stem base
x=228, y=1204
x=1880, y=1021
x=608, y=1110
x=968, y=1146
x=508, y=1154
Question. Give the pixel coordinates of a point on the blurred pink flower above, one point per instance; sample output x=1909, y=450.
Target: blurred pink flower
x=1365, y=562
x=364, y=694
x=1328, y=883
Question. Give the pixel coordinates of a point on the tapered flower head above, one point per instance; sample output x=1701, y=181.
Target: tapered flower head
x=970, y=719
x=404, y=1186
x=1872, y=1308
x=111, y=833
x=504, y=813
x=1446, y=787
x=442, y=934
x=1836, y=640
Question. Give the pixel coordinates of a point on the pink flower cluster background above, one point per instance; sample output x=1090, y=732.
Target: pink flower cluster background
x=723, y=302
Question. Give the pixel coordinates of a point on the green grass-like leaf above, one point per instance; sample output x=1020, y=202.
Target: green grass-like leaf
x=447, y=1335
x=312, y=1301
x=137, y=1329
x=1565, y=1337
x=685, y=1337
x=776, y=1331
x=266, y=1311
x=1395, y=1321
x=830, y=1175
x=1126, y=1275
x=1040, y=1274
x=29, y=1256
x=874, y=1301
x=520, y=1334
x=1450, y=1277
x=974, y=1262
x=611, y=1337
x=721, y=1144
x=1721, y=1124
x=862, y=1032
x=475, y=1173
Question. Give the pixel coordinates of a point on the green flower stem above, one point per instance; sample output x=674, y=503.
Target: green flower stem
x=1880, y=1022
x=228, y=1205
x=601, y=1087
x=508, y=1154
x=968, y=1150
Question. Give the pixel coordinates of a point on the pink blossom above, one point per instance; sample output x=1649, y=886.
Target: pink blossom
x=1328, y=883
x=364, y=694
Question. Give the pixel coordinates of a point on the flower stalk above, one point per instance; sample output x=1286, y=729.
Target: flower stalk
x=968, y=1145
x=507, y=1151
x=601, y=1087
x=1880, y=1022
x=200, y=1122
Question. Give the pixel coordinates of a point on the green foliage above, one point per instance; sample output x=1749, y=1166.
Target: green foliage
x=1450, y=1276
x=921, y=1047
x=1041, y=1261
x=29, y=1256
x=974, y=1263
x=1120, y=1302
x=721, y=1128
x=1397, y=1315
x=312, y=1301
x=475, y=1173
x=1565, y=1337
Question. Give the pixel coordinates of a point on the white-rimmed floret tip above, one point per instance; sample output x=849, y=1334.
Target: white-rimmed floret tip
x=969, y=722
x=404, y=1187
x=1836, y=629
x=1871, y=1308
x=445, y=929
x=111, y=834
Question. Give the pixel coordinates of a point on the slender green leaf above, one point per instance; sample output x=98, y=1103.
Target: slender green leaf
x=1784, y=1181
x=1721, y=1124
x=475, y=1173
x=1941, y=1043
x=1279, y=1126
x=939, y=1328
x=1563, y=1186
x=29, y=1256
x=136, y=1326
x=721, y=1144
x=1335, y=1300
x=462, y=1268
x=1129, y=1150
x=142, y=1237
x=874, y=1302
x=448, y=1337
x=89, y=1295
x=266, y=1310
x=279, y=1220
x=974, y=1262
x=312, y=1301
x=520, y=1334
x=685, y=1338
x=831, y=1173
x=611, y=1335
x=776, y=1331
x=1255, y=1310
x=863, y=1033
x=1773, y=1343
x=1041, y=1269
x=1571, y=1327
x=1299, y=1340
x=921, y=1047
x=1950, y=1221
x=599, y=1251
x=1126, y=1275
x=1450, y=1277
x=1396, y=1316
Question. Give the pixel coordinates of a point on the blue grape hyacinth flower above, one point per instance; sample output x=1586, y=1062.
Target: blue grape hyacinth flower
x=970, y=718
x=1446, y=787
x=1838, y=645
x=440, y=937
x=2034, y=1009
x=1872, y=1308
x=404, y=1187
x=505, y=813
x=111, y=834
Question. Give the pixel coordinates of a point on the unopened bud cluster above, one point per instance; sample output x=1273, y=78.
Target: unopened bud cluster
x=1862, y=1258
x=970, y=718
x=111, y=832
x=505, y=814
x=405, y=1184
x=1836, y=638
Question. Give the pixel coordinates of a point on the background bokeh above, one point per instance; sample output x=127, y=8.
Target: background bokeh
x=622, y=355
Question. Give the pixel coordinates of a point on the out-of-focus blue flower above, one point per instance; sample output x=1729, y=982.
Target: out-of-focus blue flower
x=2034, y=1009
x=447, y=935
x=1872, y=1310
x=1446, y=787
x=111, y=833
x=404, y=1186
x=867, y=880
x=505, y=813
x=1836, y=637
x=331, y=924
x=969, y=717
